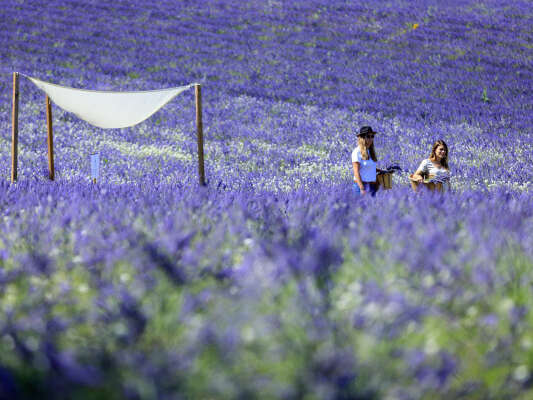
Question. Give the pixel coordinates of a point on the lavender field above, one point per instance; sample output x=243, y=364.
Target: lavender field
x=273, y=281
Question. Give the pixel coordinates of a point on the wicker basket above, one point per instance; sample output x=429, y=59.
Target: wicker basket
x=432, y=186
x=384, y=179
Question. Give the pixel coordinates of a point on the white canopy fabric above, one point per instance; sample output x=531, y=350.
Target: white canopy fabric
x=109, y=109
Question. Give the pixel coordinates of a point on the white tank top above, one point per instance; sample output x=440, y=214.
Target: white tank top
x=367, y=168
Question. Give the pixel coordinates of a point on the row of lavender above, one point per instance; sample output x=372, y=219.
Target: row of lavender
x=259, y=144
x=459, y=62
x=267, y=283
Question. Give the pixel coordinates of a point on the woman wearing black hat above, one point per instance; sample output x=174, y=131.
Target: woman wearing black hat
x=364, y=163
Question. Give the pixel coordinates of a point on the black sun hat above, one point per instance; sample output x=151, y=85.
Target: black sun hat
x=365, y=130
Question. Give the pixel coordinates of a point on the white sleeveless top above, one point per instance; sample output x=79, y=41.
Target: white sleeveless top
x=367, y=168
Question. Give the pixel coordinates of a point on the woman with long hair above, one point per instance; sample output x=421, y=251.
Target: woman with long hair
x=364, y=163
x=435, y=168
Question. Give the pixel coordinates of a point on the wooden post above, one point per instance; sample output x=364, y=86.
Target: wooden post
x=15, y=128
x=50, y=139
x=200, y=133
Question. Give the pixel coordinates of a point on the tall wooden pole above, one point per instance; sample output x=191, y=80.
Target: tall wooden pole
x=200, y=133
x=15, y=128
x=50, y=139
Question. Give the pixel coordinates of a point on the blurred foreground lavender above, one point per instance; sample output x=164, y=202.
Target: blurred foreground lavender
x=218, y=294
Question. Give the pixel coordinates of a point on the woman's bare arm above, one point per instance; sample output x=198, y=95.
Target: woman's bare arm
x=419, y=174
x=357, y=176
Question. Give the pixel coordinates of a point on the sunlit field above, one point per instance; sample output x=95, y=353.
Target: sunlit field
x=273, y=280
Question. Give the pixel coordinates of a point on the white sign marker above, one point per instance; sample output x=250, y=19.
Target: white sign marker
x=95, y=166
